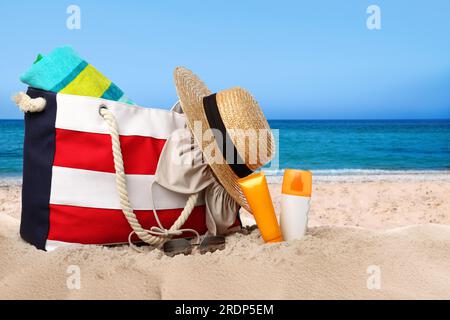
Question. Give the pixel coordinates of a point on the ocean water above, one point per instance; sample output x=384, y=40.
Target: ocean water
x=11, y=143
x=331, y=147
x=353, y=146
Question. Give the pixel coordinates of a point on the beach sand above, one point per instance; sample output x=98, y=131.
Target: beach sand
x=381, y=239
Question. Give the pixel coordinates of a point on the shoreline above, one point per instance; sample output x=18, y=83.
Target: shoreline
x=346, y=175
x=332, y=175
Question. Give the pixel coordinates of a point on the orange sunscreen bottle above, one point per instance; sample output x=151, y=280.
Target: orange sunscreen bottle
x=295, y=198
x=258, y=197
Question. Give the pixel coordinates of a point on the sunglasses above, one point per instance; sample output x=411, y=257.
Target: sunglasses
x=184, y=246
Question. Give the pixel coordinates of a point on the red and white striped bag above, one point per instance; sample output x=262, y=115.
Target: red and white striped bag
x=70, y=187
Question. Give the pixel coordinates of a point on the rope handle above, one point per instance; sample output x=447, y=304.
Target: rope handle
x=156, y=235
x=28, y=104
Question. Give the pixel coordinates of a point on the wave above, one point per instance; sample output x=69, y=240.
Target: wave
x=275, y=176
x=9, y=181
x=328, y=172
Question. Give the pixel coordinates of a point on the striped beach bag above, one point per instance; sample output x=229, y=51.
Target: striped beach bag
x=89, y=164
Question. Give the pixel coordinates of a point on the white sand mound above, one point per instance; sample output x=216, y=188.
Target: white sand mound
x=329, y=263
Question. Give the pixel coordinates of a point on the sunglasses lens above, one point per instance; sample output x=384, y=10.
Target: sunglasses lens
x=177, y=246
x=211, y=244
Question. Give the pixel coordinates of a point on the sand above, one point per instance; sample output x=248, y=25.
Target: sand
x=375, y=239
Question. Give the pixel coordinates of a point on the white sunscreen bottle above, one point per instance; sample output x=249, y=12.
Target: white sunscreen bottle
x=295, y=203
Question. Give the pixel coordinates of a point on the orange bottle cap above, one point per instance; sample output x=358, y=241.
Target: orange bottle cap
x=297, y=182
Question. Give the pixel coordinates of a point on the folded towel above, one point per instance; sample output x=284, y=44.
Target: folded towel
x=62, y=70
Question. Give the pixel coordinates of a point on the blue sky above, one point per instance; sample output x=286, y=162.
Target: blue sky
x=300, y=59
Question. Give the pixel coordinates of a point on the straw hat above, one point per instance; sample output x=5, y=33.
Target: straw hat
x=246, y=142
